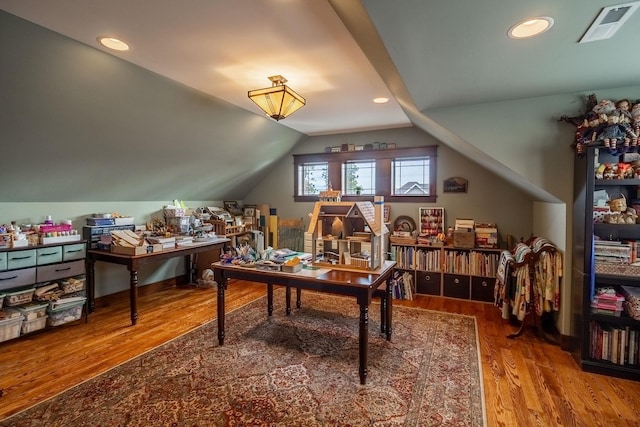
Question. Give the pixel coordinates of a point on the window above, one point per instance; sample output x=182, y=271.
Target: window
x=312, y=178
x=411, y=176
x=359, y=177
x=400, y=175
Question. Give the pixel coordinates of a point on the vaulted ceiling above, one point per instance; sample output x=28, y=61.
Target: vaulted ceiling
x=446, y=53
x=423, y=55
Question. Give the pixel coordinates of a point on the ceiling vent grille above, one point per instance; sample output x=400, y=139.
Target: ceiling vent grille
x=609, y=21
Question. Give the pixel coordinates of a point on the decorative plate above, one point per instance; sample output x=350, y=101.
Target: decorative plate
x=404, y=223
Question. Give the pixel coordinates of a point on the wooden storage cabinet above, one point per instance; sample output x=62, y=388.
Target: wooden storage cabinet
x=589, y=325
x=27, y=269
x=449, y=271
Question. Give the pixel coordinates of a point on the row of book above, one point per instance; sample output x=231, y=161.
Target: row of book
x=402, y=284
x=456, y=262
x=616, y=344
x=473, y=263
x=410, y=258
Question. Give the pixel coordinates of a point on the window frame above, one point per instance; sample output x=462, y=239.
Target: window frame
x=384, y=159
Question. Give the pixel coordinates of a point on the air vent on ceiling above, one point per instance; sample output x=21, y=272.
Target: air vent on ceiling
x=609, y=21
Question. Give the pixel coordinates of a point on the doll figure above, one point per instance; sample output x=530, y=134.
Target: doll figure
x=603, y=109
x=613, y=132
x=623, y=105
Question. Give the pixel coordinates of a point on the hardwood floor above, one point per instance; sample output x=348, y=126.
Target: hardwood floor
x=527, y=382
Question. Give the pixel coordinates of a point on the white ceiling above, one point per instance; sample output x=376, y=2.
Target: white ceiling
x=443, y=53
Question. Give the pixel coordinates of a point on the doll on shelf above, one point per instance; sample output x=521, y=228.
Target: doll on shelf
x=614, y=132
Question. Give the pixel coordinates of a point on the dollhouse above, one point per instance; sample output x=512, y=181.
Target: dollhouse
x=348, y=234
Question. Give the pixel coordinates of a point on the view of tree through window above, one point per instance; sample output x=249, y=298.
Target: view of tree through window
x=313, y=178
x=359, y=176
x=411, y=176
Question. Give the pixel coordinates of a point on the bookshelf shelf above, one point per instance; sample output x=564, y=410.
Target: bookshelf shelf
x=605, y=343
x=449, y=271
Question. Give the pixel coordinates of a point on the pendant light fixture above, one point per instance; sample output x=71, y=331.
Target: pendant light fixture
x=278, y=101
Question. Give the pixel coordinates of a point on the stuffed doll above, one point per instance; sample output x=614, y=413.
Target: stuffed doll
x=603, y=109
x=612, y=132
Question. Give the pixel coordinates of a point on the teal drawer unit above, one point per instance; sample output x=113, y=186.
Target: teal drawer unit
x=3, y=261
x=73, y=252
x=48, y=255
x=21, y=259
x=17, y=278
x=47, y=273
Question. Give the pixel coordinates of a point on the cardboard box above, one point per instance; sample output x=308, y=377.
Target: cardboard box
x=464, y=239
x=136, y=250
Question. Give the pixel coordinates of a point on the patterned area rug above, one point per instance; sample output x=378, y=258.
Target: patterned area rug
x=297, y=370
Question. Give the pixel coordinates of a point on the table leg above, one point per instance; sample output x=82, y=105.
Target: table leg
x=388, y=318
x=269, y=299
x=298, y=299
x=91, y=285
x=363, y=340
x=383, y=313
x=288, y=299
x=191, y=268
x=222, y=285
x=133, y=295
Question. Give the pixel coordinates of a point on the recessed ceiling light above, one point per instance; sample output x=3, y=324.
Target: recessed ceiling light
x=530, y=27
x=381, y=100
x=113, y=43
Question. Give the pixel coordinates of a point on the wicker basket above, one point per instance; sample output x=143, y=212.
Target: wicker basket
x=402, y=240
x=618, y=204
x=617, y=269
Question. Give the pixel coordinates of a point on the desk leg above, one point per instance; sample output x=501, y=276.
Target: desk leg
x=270, y=299
x=91, y=285
x=388, y=318
x=298, y=293
x=364, y=340
x=288, y=299
x=222, y=285
x=133, y=295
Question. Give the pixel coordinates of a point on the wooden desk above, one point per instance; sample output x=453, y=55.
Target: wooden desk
x=360, y=284
x=133, y=263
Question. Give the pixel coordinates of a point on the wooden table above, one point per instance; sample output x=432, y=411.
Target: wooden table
x=133, y=263
x=362, y=285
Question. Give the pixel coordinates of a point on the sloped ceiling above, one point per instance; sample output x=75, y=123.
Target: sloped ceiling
x=424, y=55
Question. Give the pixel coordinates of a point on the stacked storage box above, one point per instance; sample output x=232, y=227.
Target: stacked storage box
x=35, y=316
x=607, y=303
x=10, y=326
x=65, y=310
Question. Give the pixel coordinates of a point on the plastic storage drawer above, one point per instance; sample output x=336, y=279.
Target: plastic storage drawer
x=73, y=252
x=17, y=278
x=49, y=255
x=3, y=261
x=47, y=273
x=21, y=259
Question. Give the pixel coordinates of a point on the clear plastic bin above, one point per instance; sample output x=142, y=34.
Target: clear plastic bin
x=34, y=324
x=65, y=313
x=18, y=297
x=10, y=328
